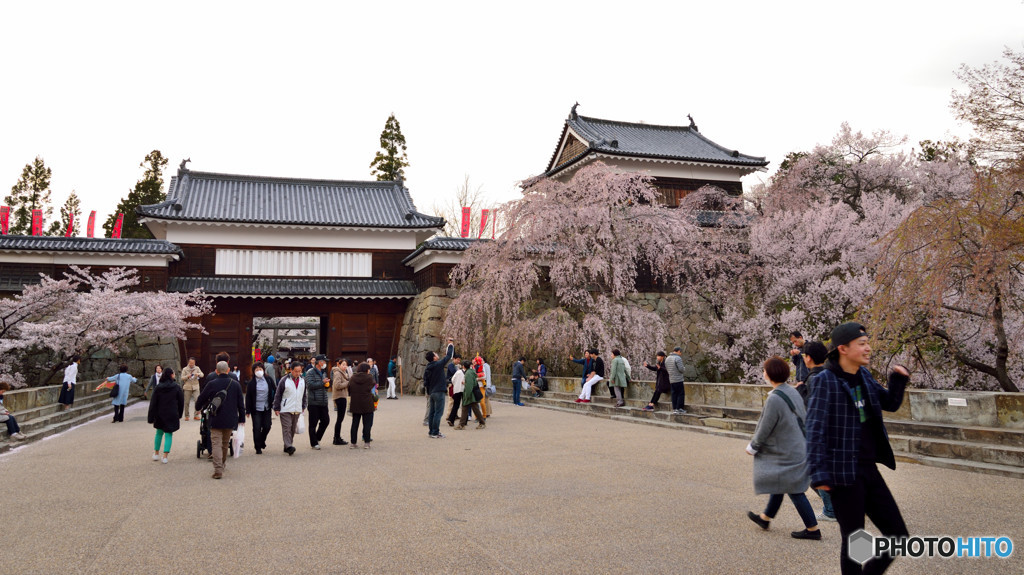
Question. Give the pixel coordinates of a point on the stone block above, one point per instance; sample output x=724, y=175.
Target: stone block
x=157, y=352
x=933, y=407
x=714, y=394
x=743, y=395
x=1010, y=410
x=694, y=393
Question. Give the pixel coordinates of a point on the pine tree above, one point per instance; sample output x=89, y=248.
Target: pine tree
x=148, y=190
x=390, y=161
x=32, y=192
x=73, y=206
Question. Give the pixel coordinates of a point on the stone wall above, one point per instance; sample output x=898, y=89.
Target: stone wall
x=424, y=319
x=421, y=331
x=143, y=354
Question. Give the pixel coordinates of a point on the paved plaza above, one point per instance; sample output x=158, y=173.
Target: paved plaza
x=538, y=491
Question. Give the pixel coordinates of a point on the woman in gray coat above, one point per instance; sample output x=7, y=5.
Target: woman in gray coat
x=780, y=450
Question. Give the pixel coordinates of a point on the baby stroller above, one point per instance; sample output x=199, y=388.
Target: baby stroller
x=205, y=443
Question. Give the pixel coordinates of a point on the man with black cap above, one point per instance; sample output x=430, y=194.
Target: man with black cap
x=846, y=438
x=317, y=383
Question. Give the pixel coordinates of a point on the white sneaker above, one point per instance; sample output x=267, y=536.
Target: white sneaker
x=164, y=460
x=822, y=517
x=156, y=457
x=19, y=436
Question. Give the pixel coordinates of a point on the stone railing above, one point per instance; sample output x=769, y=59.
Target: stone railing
x=968, y=408
x=31, y=397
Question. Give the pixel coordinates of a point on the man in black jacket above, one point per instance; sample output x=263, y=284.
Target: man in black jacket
x=230, y=413
x=436, y=385
x=316, y=392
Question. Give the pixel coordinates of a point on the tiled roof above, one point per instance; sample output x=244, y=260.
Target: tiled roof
x=210, y=197
x=127, y=246
x=649, y=141
x=294, y=287
x=444, y=243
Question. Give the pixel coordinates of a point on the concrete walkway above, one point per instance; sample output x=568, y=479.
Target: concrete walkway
x=536, y=492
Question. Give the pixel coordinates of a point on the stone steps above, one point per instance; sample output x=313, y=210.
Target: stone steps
x=987, y=450
x=48, y=420
x=959, y=450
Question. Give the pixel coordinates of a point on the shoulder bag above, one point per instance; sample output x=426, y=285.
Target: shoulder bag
x=792, y=408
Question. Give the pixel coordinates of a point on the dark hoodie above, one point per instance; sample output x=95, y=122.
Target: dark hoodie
x=167, y=405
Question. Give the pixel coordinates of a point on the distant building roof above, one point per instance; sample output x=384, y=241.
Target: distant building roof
x=125, y=246
x=210, y=197
x=441, y=244
x=681, y=143
x=294, y=287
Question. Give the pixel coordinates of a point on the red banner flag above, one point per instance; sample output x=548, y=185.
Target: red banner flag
x=467, y=214
x=5, y=217
x=483, y=222
x=71, y=226
x=116, y=233
x=92, y=224
x=37, y=222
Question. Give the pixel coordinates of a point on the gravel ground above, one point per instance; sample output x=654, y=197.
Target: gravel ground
x=537, y=491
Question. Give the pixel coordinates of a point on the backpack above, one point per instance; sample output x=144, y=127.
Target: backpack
x=216, y=402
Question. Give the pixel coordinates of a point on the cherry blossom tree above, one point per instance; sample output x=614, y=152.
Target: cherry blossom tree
x=559, y=279
x=807, y=256
x=84, y=313
x=951, y=283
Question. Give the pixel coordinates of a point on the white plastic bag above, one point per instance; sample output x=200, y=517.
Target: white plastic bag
x=300, y=425
x=238, y=440
x=526, y=385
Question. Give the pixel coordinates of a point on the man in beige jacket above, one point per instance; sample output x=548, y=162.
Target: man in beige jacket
x=190, y=376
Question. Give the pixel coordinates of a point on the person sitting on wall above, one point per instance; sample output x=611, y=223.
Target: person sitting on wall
x=13, y=431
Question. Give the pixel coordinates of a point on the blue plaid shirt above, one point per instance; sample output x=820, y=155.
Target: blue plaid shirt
x=834, y=427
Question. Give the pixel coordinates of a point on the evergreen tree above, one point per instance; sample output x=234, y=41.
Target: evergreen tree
x=390, y=161
x=148, y=190
x=73, y=206
x=32, y=192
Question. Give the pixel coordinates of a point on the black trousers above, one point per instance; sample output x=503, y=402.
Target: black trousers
x=456, y=402
x=868, y=495
x=118, y=413
x=340, y=404
x=655, y=397
x=367, y=419
x=319, y=419
x=261, y=423
x=679, y=395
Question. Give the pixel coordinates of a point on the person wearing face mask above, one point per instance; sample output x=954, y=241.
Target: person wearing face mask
x=317, y=383
x=259, y=401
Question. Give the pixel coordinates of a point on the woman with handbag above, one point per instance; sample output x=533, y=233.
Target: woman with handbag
x=165, y=412
x=471, y=399
x=122, y=384
x=780, y=449
x=360, y=389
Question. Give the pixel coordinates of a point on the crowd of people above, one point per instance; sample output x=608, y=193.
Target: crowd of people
x=825, y=432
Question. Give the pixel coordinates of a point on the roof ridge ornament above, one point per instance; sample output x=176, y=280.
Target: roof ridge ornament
x=693, y=125
x=181, y=166
x=572, y=112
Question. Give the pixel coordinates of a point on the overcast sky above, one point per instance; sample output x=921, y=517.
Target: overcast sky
x=480, y=88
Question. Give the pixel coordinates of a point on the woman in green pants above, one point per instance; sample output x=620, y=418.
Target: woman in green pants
x=165, y=411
